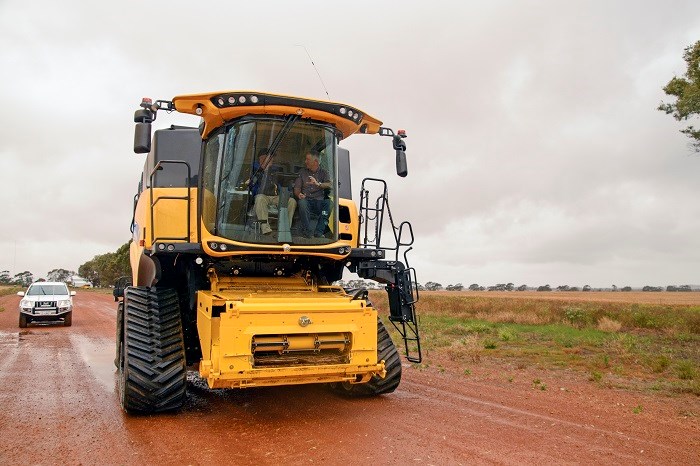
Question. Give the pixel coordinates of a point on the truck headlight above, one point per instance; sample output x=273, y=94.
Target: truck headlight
x=64, y=303
x=25, y=304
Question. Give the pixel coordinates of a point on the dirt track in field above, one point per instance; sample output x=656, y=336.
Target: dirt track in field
x=58, y=405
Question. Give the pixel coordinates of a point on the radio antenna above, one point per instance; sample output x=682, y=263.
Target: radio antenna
x=316, y=69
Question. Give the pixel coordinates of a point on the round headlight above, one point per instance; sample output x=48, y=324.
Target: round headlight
x=232, y=100
x=242, y=99
x=221, y=101
x=223, y=247
x=214, y=245
x=342, y=110
x=254, y=99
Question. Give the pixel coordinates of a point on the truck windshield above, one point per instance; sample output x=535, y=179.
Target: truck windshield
x=271, y=180
x=38, y=290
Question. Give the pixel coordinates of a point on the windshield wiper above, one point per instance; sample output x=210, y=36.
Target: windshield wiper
x=290, y=120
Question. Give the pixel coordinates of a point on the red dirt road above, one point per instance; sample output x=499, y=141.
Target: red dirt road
x=58, y=405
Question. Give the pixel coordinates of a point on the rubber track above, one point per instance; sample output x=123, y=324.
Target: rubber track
x=154, y=374
x=386, y=350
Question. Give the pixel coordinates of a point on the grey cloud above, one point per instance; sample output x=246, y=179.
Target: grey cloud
x=535, y=150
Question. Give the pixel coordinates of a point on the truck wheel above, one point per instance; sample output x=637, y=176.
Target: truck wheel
x=152, y=371
x=23, y=320
x=377, y=386
x=68, y=319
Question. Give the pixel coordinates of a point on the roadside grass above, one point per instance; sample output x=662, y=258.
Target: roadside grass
x=93, y=290
x=650, y=346
x=7, y=290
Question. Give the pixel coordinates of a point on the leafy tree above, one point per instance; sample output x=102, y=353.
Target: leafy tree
x=586, y=288
x=522, y=288
x=433, y=286
x=104, y=269
x=474, y=287
x=626, y=288
x=544, y=288
x=457, y=287
x=5, y=278
x=60, y=275
x=686, y=90
x=25, y=278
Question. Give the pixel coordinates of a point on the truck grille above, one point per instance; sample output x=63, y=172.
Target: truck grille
x=45, y=304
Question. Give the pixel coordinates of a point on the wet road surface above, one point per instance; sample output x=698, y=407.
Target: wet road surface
x=58, y=405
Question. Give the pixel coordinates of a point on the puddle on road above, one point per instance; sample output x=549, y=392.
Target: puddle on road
x=9, y=338
x=99, y=357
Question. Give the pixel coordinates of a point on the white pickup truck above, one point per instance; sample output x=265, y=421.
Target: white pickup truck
x=46, y=301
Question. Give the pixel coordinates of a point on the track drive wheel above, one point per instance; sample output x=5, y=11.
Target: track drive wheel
x=152, y=371
x=386, y=350
x=22, y=320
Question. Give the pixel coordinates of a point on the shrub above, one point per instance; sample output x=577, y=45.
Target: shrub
x=578, y=317
x=660, y=364
x=686, y=370
x=490, y=344
x=609, y=325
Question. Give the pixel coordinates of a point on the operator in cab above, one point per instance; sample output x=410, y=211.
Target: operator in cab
x=312, y=188
x=266, y=188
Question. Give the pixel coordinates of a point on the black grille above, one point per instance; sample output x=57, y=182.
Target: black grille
x=45, y=304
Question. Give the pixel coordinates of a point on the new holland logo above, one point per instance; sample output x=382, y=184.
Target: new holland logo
x=304, y=321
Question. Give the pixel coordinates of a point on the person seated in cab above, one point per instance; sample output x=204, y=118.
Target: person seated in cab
x=311, y=188
x=266, y=190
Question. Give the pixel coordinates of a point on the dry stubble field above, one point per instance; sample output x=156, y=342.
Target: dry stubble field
x=641, y=341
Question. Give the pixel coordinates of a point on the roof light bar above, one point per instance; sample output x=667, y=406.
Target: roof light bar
x=245, y=99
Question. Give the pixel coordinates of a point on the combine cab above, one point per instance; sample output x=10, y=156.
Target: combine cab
x=241, y=226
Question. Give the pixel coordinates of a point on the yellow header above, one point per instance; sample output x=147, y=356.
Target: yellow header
x=218, y=107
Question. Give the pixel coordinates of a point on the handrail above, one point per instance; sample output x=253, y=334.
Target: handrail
x=188, y=198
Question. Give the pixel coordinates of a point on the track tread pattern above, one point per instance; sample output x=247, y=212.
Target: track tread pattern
x=153, y=376
x=386, y=350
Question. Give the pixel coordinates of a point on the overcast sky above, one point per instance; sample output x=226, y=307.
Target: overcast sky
x=536, y=153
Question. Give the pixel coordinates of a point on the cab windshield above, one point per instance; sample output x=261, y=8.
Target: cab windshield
x=271, y=180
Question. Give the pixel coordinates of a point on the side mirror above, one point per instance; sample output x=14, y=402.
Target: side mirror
x=142, y=138
x=72, y=293
x=400, y=147
x=20, y=293
x=401, y=163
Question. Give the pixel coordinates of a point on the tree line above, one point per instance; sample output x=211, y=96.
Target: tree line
x=435, y=286
x=101, y=270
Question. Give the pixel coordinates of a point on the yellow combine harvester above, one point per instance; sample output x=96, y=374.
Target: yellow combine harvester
x=241, y=226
